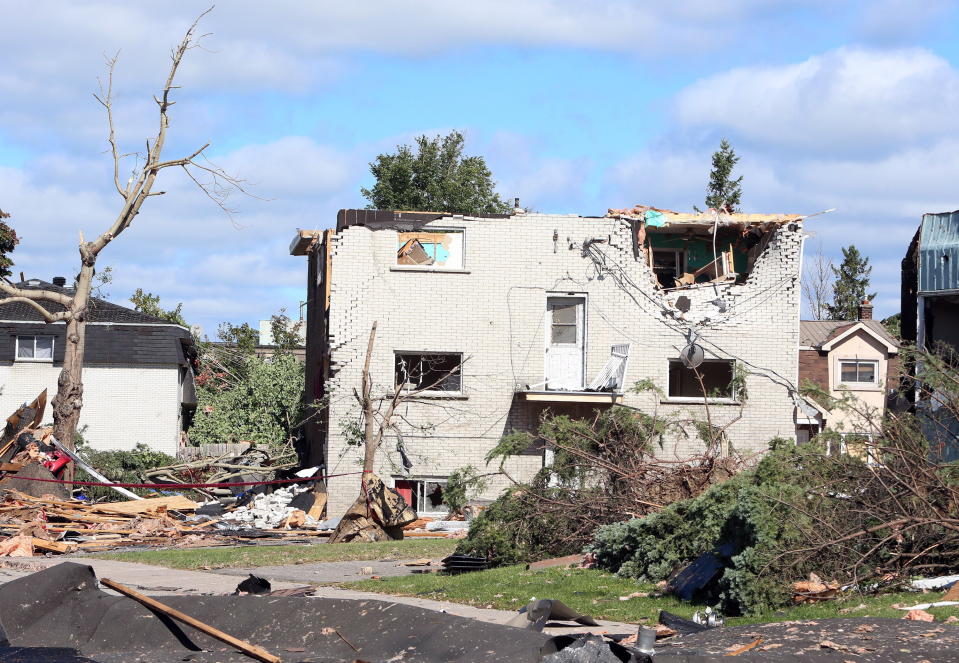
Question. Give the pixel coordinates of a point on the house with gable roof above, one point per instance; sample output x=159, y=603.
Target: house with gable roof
x=137, y=376
x=856, y=357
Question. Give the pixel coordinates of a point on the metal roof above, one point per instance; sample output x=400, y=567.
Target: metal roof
x=939, y=252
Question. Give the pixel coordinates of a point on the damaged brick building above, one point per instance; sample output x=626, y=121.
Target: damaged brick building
x=507, y=316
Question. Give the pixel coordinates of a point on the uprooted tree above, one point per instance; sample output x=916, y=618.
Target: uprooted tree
x=145, y=167
x=379, y=512
x=867, y=518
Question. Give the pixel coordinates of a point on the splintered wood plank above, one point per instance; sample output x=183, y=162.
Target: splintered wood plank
x=136, y=507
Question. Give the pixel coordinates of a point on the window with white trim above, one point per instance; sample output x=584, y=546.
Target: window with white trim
x=858, y=371
x=34, y=348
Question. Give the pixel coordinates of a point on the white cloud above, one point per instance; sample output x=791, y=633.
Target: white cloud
x=181, y=246
x=849, y=101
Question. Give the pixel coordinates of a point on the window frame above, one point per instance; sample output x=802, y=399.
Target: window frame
x=680, y=258
x=731, y=399
x=875, y=384
x=430, y=393
x=419, y=493
x=34, y=358
x=460, y=269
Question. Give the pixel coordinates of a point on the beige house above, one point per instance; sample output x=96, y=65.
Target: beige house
x=855, y=357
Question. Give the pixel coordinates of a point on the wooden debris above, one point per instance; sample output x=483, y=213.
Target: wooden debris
x=569, y=560
x=814, y=590
x=174, y=503
x=745, y=648
x=247, y=648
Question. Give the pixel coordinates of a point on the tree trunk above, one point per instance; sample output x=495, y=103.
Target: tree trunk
x=69, y=399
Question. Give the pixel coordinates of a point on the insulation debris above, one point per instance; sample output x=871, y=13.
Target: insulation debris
x=271, y=511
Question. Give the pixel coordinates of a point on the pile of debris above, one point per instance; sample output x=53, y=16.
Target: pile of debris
x=46, y=524
x=38, y=525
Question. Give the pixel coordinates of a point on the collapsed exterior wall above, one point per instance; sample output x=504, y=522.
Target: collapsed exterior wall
x=490, y=305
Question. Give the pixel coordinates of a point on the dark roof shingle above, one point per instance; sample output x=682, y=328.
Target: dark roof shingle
x=99, y=310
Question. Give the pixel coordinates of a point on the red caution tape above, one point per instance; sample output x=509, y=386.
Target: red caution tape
x=171, y=486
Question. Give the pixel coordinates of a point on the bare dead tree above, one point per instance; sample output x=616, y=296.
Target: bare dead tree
x=213, y=181
x=817, y=280
x=376, y=511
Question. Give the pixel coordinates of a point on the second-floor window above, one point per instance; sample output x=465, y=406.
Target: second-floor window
x=858, y=372
x=430, y=249
x=34, y=348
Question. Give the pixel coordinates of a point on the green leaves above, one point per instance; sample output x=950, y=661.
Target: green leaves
x=8, y=242
x=262, y=403
x=436, y=178
x=849, y=288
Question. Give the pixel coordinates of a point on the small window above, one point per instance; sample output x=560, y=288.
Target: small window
x=423, y=495
x=35, y=348
x=858, y=372
x=430, y=249
x=716, y=374
x=424, y=371
x=668, y=266
x=565, y=321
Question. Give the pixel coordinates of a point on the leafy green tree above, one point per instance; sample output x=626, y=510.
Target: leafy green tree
x=148, y=303
x=285, y=332
x=436, y=177
x=8, y=242
x=849, y=287
x=724, y=193
x=893, y=325
x=262, y=403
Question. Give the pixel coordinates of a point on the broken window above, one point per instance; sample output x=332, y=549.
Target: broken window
x=716, y=374
x=39, y=348
x=429, y=371
x=434, y=249
x=668, y=265
x=423, y=495
x=857, y=371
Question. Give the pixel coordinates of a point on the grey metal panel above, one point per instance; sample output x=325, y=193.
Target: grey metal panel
x=939, y=252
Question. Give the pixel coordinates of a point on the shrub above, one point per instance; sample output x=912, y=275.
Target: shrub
x=121, y=467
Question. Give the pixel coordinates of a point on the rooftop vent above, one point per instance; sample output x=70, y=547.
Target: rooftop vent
x=59, y=281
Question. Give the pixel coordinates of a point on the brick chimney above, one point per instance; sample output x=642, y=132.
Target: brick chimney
x=865, y=310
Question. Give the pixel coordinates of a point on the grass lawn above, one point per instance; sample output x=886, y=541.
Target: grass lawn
x=251, y=556
x=597, y=594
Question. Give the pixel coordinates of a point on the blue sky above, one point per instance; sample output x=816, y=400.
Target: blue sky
x=578, y=106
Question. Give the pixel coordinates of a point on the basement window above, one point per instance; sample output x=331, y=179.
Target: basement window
x=858, y=372
x=429, y=371
x=430, y=249
x=716, y=374
x=423, y=495
x=34, y=348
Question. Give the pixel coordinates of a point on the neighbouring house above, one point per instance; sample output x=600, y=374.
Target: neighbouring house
x=506, y=317
x=930, y=315
x=855, y=357
x=137, y=376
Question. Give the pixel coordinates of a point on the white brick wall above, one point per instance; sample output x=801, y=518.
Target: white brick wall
x=123, y=405
x=494, y=314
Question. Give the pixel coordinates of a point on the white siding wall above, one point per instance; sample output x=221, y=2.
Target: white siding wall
x=123, y=405
x=494, y=314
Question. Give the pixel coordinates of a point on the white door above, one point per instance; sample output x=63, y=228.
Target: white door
x=565, y=341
